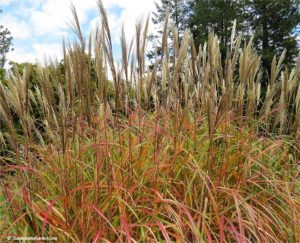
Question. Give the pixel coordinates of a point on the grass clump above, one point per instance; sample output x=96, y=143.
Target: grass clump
x=135, y=183
x=189, y=150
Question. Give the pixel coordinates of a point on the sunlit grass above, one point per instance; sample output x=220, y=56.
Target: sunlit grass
x=190, y=150
x=135, y=185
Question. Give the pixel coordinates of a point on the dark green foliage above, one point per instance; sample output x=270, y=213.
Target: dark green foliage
x=19, y=67
x=217, y=16
x=274, y=23
x=179, y=12
x=5, y=46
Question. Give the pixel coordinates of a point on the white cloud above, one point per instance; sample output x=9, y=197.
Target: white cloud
x=51, y=18
x=40, y=21
x=19, y=55
x=39, y=52
x=132, y=11
x=54, y=15
x=45, y=50
x=5, y=2
x=19, y=29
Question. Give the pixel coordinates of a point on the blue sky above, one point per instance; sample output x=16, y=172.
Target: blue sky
x=39, y=26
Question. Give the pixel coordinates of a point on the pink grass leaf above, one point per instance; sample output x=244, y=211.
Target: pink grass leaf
x=97, y=237
x=164, y=231
x=49, y=208
x=126, y=228
x=103, y=216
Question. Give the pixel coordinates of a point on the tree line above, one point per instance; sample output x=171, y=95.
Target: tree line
x=274, y=24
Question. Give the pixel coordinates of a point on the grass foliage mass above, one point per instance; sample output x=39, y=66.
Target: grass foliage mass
x=193, y=149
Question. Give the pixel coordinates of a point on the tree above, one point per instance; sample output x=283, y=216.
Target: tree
x=273, y=23
x=19, y=68
x=5, y=47
x=179, y=11
x=216, y=16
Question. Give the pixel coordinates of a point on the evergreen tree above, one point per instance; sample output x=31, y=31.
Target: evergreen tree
x=273, y=23
x=216, y=16
x=178, y=14
x=179, y=11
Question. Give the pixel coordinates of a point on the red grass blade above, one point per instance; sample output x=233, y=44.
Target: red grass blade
x=103, y=216
x=47, y=214
x=97, y=237
x=164, y=231
x=126, y=228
